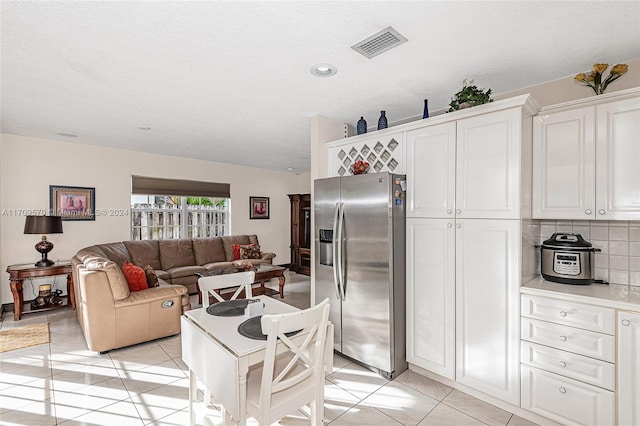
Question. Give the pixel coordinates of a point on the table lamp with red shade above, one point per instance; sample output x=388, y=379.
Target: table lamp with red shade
x=43, y=225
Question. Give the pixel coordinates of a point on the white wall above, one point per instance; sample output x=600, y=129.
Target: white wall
x=28, y=166
x=303, y=181
x=321, y=130
x=566, y=89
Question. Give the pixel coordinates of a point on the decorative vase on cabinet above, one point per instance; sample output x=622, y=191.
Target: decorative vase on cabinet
x=425, y=113
x=382, y=121
x=362, y=126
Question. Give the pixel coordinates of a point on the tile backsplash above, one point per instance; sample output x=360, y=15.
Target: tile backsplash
x=619, y=260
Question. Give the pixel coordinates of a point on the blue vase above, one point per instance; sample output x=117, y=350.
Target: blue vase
x=425, y=114
x=382, y=121
x=362, y=126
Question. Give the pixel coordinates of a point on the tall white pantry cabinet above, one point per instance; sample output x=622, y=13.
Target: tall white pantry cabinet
x=468, y=178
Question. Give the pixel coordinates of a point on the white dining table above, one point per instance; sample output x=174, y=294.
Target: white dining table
x=220, y=357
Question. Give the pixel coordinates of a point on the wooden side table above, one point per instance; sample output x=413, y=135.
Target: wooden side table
x=17, y=273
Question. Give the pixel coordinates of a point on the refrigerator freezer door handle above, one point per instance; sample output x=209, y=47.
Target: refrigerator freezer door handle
x=340, y=242
x=336, y=254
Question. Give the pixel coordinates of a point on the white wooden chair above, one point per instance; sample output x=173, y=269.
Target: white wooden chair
x=209, y=285
x=290, y=380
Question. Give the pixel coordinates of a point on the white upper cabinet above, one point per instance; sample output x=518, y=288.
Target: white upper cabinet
x=564, y=164
x=585, y=159
x=618, y=160
x=488, y=166
x=431, y=171
x=475, y=167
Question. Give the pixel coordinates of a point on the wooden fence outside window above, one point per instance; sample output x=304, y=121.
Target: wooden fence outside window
x=153, y=222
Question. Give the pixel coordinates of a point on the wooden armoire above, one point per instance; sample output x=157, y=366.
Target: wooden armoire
x=300, y=233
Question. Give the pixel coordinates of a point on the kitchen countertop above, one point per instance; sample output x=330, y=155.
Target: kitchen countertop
x=611, y=295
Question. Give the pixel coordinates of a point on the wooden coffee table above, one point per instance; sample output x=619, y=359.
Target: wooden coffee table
x=263, y=274
x=267, y=272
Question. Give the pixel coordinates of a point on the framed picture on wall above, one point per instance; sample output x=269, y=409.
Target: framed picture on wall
x=258, y=207
x=72, y=202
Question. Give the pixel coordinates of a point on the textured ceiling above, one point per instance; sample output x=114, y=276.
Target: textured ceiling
x=230, y=81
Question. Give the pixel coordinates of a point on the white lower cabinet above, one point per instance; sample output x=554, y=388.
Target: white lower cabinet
x=583, y=368
x=564, y=400
x=568, y=361
x=462, y=301
x=431, y=295
x=571, y=339
x=588, y=317
x=487, y=314
x=628, y=368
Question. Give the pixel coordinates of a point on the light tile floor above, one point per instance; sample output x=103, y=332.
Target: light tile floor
x=62, y=383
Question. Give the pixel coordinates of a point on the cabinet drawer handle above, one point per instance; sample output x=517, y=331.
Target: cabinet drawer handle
x=458, y=211
x=602, y=211
x=562, y=390
x=458, y=225
x=563, y=364
x=588, y=211
x=449, y=225
x=626, y=322
x=449, y=211
x=563, y=338
x=563, y=314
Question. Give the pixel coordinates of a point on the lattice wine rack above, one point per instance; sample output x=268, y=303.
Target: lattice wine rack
x=382, y=154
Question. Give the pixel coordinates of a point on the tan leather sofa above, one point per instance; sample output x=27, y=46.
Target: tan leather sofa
x=113, y=317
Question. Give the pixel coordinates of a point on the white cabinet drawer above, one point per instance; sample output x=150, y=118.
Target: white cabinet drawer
x=588, y=317
x=564, y=400
x=583, y=342
x=585, y=369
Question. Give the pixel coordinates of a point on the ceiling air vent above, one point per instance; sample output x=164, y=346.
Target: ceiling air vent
x=379, y=42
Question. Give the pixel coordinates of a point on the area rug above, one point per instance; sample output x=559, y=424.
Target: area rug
x=23, y=337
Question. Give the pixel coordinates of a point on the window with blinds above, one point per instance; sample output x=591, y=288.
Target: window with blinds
x=172, y=208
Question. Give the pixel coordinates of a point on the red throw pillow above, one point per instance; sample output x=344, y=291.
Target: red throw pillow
x=135, y=275
x=236, y=251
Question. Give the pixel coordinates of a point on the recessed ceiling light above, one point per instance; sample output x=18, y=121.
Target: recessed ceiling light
x=323, y=70
x=67, y=135
x=290, y=169
x=144, y=128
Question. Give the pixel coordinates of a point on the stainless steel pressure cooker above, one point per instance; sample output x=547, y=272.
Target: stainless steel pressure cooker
x=567, y=258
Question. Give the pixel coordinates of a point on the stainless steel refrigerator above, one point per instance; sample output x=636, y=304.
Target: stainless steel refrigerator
x=360, y=266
